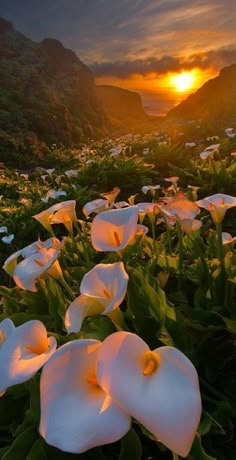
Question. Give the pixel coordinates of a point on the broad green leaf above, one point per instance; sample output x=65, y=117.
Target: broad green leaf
x=97, y=327
x=37, y=452
x=145, y=308
x=131, y=447
x=197, y=451
x=21, y=445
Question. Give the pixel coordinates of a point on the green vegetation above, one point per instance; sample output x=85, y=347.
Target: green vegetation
x=181, y=287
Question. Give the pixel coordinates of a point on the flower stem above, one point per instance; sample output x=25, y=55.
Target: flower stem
x=181, y=254
x=220, y=245
x=67, y=288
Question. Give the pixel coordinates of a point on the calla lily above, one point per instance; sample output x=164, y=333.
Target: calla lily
x=8, y=239
x=25, y=176
x=103, y=289
x=217, y=205
x=164, y=391
x=11, y=262
x=3, y=229
x=189, y=226
x=121, y=204
x=205, y=155
x=150, y=209
x=227, y=238
x=38, y=245
x=131, y=199
x=6, y=328
x=172, y=179
x=114, y=229
x=63, y=212
x=147, y=208
x=96, y=206
x=25, y=201
x=111, y=196
x=150, y=188
x=181, y=208
x=23, y=351
x=209, y=152
x=72, y=173
x=53, y=194
x=76, y=414
x=213, y=147
x=27, y=272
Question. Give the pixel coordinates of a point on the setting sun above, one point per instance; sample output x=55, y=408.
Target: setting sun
x=183, y=81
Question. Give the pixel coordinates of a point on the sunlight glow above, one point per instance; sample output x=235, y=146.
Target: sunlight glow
x=183, y=81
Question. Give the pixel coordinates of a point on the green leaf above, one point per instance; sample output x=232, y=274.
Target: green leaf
x=22, y=445
x=97, y=327
x=197, y=452
x=146, y=307
x=57, y=302
x=131, y=447
x=37, y=452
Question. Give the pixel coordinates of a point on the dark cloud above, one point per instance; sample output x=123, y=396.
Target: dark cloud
x=123, y=69
x=106, y=30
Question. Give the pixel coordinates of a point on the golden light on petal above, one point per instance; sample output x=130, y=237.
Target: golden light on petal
x=106, y=293
x=38, y=349
x=39, y=263
x=2, y=337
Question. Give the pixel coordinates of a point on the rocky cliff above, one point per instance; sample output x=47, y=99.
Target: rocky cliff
x=46, y=91
x=215, y=101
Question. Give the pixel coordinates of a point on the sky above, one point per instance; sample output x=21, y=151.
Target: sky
x=141, y=45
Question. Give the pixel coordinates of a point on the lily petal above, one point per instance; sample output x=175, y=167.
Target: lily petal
x=79, y=309
x=108, y=282
x=24, y=352
x=113, y=230
x=159, y=389
x=76, y=414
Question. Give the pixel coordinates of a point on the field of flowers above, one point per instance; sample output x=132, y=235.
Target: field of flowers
x=118, y=302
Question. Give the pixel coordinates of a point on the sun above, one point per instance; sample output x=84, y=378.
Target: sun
x=183, y=81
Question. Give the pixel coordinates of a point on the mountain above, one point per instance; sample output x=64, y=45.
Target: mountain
x=124, y=108
x=214, y=102
x=46, y=91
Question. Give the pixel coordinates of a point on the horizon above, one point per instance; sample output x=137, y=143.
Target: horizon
x=162, y=50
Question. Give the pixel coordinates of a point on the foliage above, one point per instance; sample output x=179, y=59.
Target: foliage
x=194, y=311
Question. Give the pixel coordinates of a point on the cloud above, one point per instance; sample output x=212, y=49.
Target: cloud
x=106, y=30
x=123, y=69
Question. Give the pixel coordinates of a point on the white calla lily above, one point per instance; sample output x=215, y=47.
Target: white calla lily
x=11, y=262
x=158, y=388
x=121, y=204
x=63, y=212
x=27, y=272
x=71, y=173
x=227, y=238
x=53, y=194
x=96, y=206
x=150, y=188
x=217, y=205
x=23, y=352
x=103, y=289
x=76, y=414
x=6, y=328
x=114, y=229
x=3, y=229
x=111, y=196
x=189, y=226
x=8, y=239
